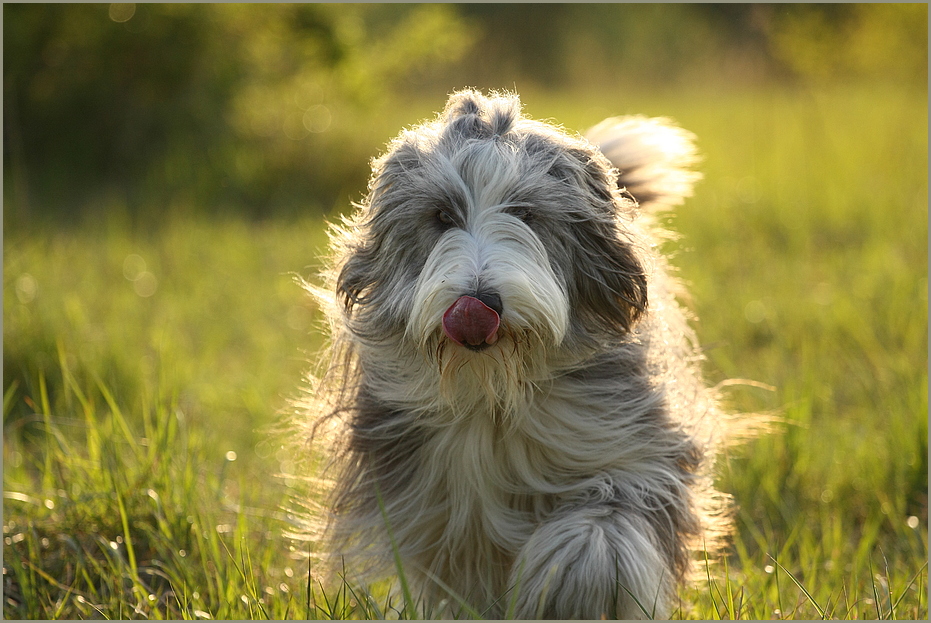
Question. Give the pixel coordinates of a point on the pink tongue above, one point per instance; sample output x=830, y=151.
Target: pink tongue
x=470, y=322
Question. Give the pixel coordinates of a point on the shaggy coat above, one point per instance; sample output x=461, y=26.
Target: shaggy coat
x=558, y=467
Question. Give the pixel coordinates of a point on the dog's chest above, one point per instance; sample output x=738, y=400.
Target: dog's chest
x=514, y=466
x=488, y=481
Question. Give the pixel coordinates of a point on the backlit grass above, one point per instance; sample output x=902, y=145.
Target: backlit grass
x=143, y=369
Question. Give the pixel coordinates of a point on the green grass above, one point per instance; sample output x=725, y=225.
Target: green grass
x=806, y=251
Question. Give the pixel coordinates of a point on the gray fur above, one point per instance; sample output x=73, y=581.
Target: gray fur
x=569, y=461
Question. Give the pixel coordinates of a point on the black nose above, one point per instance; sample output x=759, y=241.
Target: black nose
x=492, y=300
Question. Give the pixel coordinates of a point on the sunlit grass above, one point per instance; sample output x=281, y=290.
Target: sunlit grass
x=138, y=363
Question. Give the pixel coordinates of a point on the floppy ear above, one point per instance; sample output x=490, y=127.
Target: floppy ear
x=355, y=278
x=360, y=246
x=610, y=285
x=363, y=285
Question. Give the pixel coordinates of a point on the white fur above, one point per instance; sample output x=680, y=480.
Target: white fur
x=654, y=155
x=561, y=469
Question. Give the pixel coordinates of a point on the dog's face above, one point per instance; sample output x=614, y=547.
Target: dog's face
x=490, y=243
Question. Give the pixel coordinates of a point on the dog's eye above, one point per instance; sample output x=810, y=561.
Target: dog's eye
x=444, y=219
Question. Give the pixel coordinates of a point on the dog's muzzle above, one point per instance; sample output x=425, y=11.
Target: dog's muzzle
x=473, y=321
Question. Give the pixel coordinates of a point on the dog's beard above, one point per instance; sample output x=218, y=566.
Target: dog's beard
x=499, y=380
x=501, y=255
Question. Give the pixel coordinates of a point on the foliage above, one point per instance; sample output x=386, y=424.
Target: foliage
x=825, y=41
x=130, y=523
x=266, y=109
x=210, y=105
x=645, y=46
x=201, y=313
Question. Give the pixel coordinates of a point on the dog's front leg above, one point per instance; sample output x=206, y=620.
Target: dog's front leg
x=588, y=563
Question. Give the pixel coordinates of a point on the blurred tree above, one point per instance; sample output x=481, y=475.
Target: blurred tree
x=655, y=45
x=521, y=41
x=853, y=41
x=270, y=107
x=207, y=105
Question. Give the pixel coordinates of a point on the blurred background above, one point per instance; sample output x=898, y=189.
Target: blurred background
x=169, y=170
x=275, y=109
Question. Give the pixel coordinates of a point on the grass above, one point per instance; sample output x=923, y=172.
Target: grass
x=143, y=369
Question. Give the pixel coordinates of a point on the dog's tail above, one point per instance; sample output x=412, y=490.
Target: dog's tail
x=654, y=158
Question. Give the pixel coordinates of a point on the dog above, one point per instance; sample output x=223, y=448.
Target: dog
x=512, y=393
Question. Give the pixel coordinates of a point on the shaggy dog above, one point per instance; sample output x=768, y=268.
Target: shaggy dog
x=514, y=391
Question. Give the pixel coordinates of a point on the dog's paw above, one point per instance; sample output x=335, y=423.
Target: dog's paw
x=589, y=564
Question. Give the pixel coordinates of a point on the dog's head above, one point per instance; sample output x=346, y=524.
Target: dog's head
x=486, y=237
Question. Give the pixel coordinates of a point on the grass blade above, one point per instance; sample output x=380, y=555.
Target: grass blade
x=802, y=588
x=402, y=578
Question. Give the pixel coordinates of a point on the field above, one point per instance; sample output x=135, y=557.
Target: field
x=145, y=368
